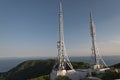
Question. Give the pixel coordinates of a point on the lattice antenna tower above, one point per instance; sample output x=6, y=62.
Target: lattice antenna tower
x=62, y=62
x=95, y=53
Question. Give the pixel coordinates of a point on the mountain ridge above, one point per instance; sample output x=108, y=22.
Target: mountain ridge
x=31, y=69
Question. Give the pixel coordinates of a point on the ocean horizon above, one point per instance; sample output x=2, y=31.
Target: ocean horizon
x=8, y=63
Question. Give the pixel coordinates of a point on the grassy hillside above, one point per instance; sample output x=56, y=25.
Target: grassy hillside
x=30, y=69
x=33, y=69
x=40, y=70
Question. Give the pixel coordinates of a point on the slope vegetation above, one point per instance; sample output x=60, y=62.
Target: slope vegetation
x=34, y=70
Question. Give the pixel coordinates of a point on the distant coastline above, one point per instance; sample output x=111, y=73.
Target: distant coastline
x=10, y=62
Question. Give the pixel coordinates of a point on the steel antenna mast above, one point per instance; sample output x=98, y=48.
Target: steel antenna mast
x=62, y=59
x=96, y=56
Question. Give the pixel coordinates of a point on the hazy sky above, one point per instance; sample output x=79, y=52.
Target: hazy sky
x=30, y=27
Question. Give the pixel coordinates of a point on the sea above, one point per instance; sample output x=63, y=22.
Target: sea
x=8, y=63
